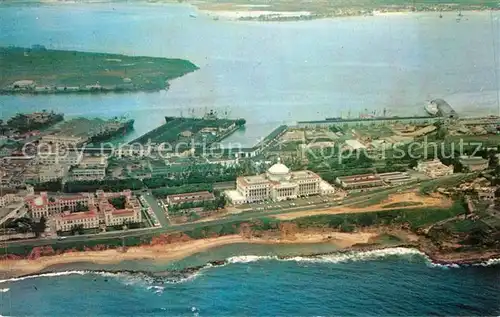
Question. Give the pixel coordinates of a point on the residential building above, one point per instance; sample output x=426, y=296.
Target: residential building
x=93, y=161
x=62, y=139
x=88, y=173
x=61, y=158
x=486, y=193
x=195, y=197
x=278, y=183
x=434, y=168
x=9, y=198
x=52, y=173
x=473, y=163
x=359, y=182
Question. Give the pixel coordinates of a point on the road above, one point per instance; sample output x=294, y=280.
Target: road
x=159, y=211
x=167, y=227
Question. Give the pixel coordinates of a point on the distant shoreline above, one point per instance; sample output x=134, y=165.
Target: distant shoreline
x=85, y=72
x=285, y=11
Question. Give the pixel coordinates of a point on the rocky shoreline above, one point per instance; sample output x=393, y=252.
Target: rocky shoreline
x=452, y=259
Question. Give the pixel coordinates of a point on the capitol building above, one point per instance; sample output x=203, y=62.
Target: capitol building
x=277, y=184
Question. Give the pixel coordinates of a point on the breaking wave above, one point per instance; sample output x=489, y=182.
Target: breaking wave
x=341, y=257
x=156, y=281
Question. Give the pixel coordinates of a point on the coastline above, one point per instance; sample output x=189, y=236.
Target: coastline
x=174, y=251
x=286, y=12
x=366, y=241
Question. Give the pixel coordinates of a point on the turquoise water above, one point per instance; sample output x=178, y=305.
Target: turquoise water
x=381, y=283
x=269, y=73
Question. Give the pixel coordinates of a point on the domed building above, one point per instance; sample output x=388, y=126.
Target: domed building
x=278, y=172
x=278, y=183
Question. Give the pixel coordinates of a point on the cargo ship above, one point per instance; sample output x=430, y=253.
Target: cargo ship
x=431, y=108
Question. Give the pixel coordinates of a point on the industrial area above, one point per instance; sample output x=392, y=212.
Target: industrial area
x=334, y=165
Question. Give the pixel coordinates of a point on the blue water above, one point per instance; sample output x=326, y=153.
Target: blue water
x=403, y=285
x=268, y=73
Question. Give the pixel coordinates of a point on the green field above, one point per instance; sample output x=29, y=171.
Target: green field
x=54, y=68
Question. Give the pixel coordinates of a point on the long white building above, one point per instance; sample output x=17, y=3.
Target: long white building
x=278, y=183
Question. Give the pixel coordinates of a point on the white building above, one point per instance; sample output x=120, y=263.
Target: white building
x=277, y=184
x=88, y=173
x=62, y=158
x=61, y=139
x=52, y=173
x=434, y=168
x=8, y=199
x=486, y=193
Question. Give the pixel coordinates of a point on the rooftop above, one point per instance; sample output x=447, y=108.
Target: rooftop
x=256, y=179
x=204, y=194
x=78, y=215
x=304, y=174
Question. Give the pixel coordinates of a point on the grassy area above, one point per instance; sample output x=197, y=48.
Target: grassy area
x=466, y=225
x=431, y=186
x=416, y=218
x=79, y=69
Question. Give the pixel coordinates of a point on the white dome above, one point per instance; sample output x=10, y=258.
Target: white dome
x=278, y=169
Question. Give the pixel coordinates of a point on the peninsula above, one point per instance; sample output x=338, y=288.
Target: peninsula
x=38, y=70
x=288, y=10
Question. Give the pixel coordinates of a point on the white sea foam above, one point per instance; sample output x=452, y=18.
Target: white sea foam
x=353, y=256
x=489, y=262
x=157, y=289
x=4, y=290
x=53, y=274
x=334, y=258
x=249, y=258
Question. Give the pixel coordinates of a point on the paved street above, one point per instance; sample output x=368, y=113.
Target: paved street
x=159, y=211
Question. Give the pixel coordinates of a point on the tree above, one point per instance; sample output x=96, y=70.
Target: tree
x=40, y=226
x=492, y=160
x=80, y=207
x=118, y=202
x=77, y=229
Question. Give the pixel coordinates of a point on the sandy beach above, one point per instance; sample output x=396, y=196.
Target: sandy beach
x=175, y=251
x=254, y=14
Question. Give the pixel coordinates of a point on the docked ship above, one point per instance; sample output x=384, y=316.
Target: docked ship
x=431, y=108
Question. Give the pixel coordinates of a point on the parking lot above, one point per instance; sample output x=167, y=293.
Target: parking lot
x=299, y=202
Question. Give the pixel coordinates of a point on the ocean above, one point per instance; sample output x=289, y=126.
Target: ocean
x=390, y=282
x=268, y=73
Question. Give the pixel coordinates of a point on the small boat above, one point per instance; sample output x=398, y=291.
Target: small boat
x=440, y=16
x=460, y=14
x=193, y=15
